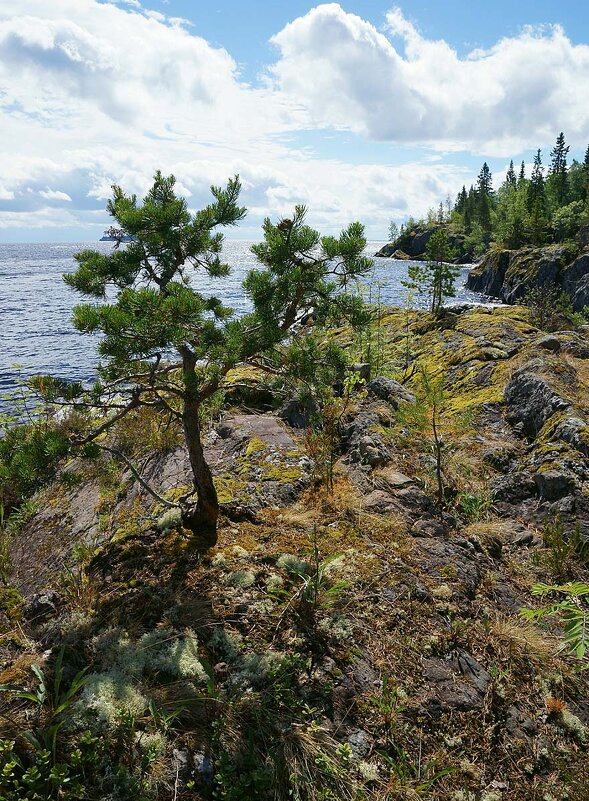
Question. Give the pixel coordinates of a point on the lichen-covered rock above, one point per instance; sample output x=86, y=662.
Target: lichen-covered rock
x=554, y=484
x=531, y=401
x=513, y=488
x=575, y=432
x=389, y=390
x=412, y=245
x=362, y=441
x=510, y=274
x=550, y=342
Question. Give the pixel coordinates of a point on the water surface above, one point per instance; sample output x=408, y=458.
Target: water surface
x=36, y=305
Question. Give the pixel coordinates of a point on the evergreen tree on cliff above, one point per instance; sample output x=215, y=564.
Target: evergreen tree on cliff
x=484, y=203
x=537, y=202
x=510, y=177
x=167, y=346
x=558, y=178
x=436, y=278
x=509, y=220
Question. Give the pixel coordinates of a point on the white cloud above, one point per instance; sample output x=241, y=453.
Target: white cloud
x=54, y=194
x=518, y=93
x=93, y=93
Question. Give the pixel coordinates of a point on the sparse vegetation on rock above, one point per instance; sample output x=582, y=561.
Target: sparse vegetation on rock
x=356, y=632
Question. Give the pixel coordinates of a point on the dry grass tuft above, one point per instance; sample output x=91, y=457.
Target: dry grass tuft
x=20, y=670
x=520, y=638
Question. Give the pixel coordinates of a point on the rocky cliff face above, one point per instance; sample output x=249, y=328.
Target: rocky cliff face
x=366, y=629
x=412, y=245
x=509, y=274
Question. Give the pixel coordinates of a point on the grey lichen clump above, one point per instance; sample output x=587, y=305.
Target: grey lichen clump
x=170, y=520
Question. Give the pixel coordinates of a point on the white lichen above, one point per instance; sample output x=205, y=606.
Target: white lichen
x=229, y=646
x=239, y=553
x=241, y=578
x=176, y=656
x=292, y=564
x=219, y=560
x=274, y=582
x=170, y=520
x=337, y=628
x=368, y=771
x=109, y=698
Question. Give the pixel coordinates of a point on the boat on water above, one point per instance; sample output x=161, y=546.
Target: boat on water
x=109, y=238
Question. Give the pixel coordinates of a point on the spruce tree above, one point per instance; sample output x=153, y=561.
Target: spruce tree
x=485, y=180
x=522, y=172
x=558, y=178
x=484, y=204
x=510, y=178
x=461, y=200
x=536, y=201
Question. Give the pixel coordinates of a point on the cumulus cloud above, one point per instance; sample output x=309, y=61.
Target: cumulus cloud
x=54, y=194
x=518, y=93
x=95, y=93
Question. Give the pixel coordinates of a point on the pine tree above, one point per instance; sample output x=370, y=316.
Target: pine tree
x=436, y=277
x=166, y=346
x=586, y=169
x=522, y=172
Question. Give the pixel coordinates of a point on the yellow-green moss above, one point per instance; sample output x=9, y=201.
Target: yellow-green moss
x=254, y=446
x=285, y=474
x=229, y=487
x=11, y=602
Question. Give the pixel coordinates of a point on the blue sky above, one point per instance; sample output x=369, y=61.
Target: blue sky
x=245, y=28
x=361, y=110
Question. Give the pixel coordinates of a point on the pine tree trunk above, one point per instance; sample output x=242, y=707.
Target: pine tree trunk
x=201, y=518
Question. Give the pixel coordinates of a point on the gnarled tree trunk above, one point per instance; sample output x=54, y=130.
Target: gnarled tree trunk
x=201, y=518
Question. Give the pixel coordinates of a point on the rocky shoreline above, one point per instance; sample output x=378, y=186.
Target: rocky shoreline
x=412, y=246
x=415, y=634
x=510, y=274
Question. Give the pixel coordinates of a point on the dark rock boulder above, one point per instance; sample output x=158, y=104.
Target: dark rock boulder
x=510, y=274
x=489, y=275
x=429, y=527
x=554, y=484
x=389, y=390
x=575, y=432
x=531, y=401
x=412, y=245
x=458, y=683
x=295, y=414
x=501, y=459
x=362, y=442
x=576, y=282
x=513, y=488
x=550, y=343
x=438, y=556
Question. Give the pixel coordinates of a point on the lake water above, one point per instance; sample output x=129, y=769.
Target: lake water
x=36, y=305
